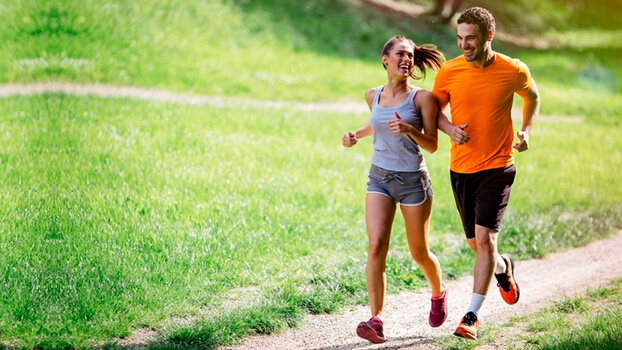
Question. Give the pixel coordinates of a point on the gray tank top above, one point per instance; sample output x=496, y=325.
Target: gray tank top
x=396, y=152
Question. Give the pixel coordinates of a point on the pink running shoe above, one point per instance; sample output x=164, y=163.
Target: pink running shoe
x=438, y=313
x=371, y=330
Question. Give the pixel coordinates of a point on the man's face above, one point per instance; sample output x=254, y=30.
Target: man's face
x=471, y=42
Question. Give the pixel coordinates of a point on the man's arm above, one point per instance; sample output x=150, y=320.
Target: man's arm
x=531, y=109
x=455, y=132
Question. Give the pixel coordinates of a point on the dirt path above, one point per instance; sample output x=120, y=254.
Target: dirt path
x=102, y=90
x=406, y=325
x=112, y=91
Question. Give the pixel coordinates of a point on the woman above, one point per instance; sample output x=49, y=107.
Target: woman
x=403, y=119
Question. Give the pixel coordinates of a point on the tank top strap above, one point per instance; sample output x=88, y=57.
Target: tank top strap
x=411, y=96
x=377, y=96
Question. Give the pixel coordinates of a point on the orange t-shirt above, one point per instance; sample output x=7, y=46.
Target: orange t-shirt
x=482, y=98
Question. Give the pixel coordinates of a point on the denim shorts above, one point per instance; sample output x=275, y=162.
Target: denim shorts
x=406, y=188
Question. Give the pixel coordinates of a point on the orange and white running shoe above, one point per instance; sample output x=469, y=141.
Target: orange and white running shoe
x=468, y=326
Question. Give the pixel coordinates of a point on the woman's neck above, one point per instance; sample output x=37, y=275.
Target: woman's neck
x=396, y=87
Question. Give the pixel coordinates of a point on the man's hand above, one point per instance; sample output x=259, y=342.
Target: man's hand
x=458, y=135
x=523, y=143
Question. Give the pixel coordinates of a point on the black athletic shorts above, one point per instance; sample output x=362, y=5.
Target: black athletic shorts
x=482, y=197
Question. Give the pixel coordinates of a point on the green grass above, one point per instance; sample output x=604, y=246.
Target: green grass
x=591, y=321
x=286, y=50
x=584, y=82
x=282, y=50
x=122, y=214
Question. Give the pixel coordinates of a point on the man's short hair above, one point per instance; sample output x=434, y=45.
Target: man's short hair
x=480, y=17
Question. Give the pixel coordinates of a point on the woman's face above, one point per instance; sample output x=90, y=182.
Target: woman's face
x=400, y=59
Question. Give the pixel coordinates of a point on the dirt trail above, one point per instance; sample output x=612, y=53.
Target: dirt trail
x=406, y=325
x=102, y=90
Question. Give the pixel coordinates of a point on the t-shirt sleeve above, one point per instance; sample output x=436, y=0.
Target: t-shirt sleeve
x=440, y=87
x=524, y=81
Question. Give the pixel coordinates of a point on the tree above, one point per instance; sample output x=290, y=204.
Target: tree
x=441, y=6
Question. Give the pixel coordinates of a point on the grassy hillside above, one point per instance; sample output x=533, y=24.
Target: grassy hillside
x=292, y=50
x=285, y=50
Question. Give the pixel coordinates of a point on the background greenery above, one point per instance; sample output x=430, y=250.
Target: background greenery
x=206, y=224
x=298, y=50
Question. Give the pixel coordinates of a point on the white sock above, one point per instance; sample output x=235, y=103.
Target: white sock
x=476, y=303
x=501, y=266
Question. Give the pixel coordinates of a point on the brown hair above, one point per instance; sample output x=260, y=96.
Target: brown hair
x=425, y=56
x=480, y=17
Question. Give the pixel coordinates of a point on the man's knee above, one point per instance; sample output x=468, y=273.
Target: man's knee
x=486, y=239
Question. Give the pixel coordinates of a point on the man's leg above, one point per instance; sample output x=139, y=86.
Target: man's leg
x=491, y=195
x=485, y=247
x=485, y=262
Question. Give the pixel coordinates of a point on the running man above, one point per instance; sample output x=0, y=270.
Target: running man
x=479, y=86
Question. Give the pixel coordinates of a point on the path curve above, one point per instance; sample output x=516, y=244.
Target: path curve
x=114, y=91
x=103, y=90
x=406, y=325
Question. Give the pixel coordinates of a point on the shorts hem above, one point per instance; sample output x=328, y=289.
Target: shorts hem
x=495, y=229
x=416, y=204
x=384, y=194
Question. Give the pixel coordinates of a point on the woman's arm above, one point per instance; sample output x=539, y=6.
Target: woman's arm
x=426, y=105
x=351, y=138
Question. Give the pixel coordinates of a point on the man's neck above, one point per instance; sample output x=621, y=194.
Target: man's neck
x=490, y=58
x=486, y=60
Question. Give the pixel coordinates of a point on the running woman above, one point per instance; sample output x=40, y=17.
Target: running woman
x=402, y=121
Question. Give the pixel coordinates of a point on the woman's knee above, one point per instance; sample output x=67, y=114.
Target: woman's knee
x=378, y=248
x=420, y=255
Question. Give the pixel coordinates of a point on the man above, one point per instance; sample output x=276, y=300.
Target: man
x=479, y=86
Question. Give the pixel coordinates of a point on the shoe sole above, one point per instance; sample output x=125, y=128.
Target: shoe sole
x=514, y=279
x=366, y=332
x=465, y=336
x=438, y=324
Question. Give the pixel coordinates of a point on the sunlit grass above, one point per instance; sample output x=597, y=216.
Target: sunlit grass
x=119, y=214
x=272, y=50
x=590, y=321
x=579, y=322
x=122, y=214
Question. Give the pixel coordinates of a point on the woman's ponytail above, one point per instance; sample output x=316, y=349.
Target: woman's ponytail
x=426, y=57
